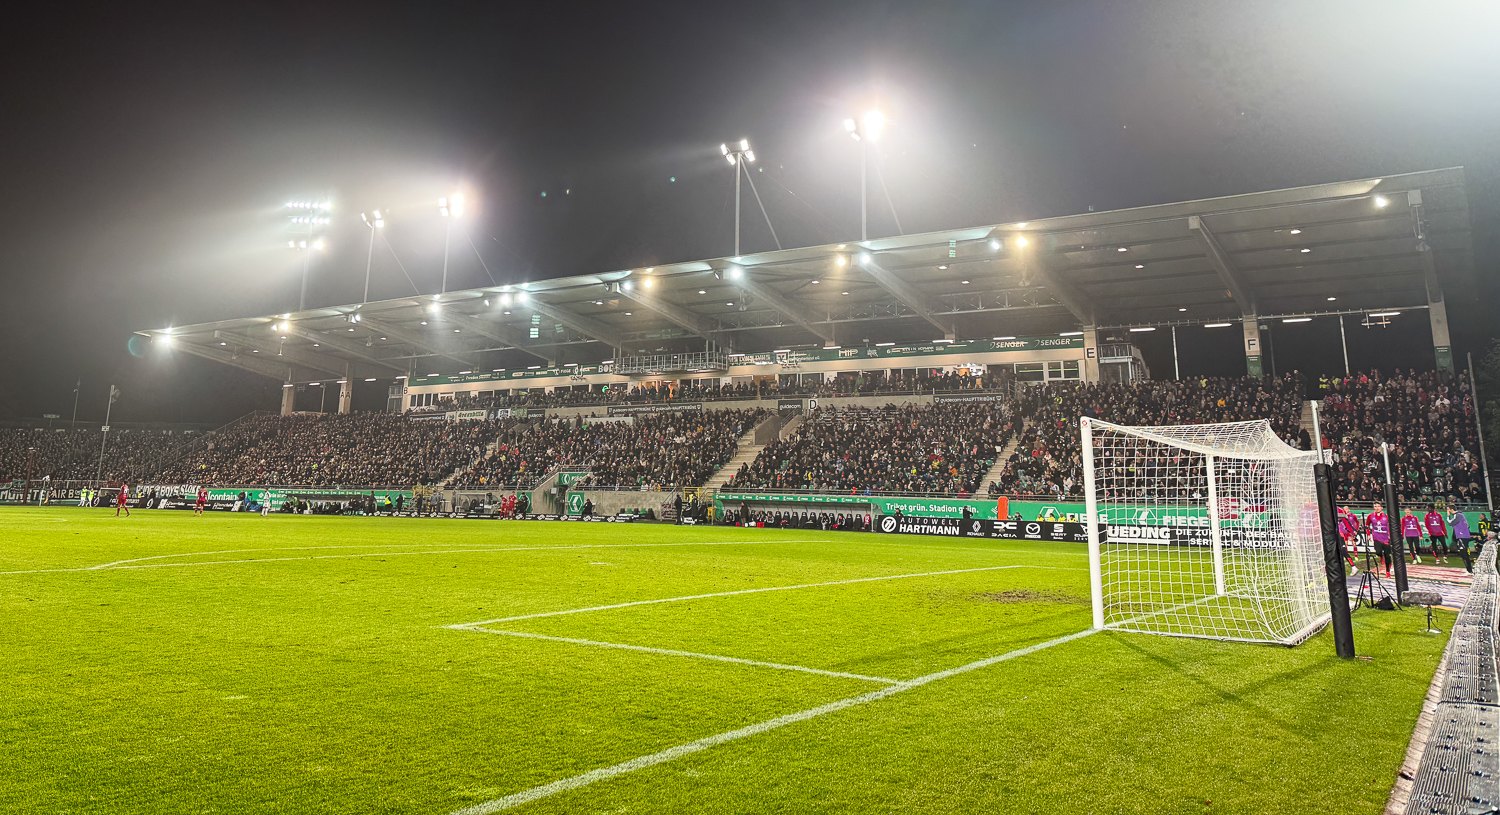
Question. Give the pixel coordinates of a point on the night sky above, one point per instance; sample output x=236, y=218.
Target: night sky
x=146, y=154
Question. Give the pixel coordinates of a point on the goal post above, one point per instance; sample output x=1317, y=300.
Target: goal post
x=1203, y=531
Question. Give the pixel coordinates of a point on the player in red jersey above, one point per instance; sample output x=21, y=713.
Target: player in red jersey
x=120, y=501
x=202, y=501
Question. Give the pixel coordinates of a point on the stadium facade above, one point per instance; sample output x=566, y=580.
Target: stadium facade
x=1048, y=299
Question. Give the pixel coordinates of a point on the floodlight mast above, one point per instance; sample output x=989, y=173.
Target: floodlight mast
x=450, y=207
x=377, y=222
x=738, y=157
x=864, y=131
x=317, y=216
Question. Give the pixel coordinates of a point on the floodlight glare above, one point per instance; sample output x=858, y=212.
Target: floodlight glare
x=457, y=205
x=734, y=273
x=1022, y=242
x=522, y=297
x=874, y=122
x=744, y=144
x=848, y=125
x=504, y=299
x=1381, y=201
x=318, y=244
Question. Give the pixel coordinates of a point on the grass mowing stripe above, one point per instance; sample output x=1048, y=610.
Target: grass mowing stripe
x=613, y=606
x=117, y=565
x=604, y=773
x=669, y=652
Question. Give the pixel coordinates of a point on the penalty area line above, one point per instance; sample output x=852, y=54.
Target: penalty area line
x=612, y=606
x=693, y=654
x=642, y=762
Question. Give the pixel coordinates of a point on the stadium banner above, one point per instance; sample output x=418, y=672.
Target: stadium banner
x=634, y=410
x=789, y=405
x=569, y=477
x=1050, y=531
x=468, y=415
x=184, y=496
x=983, y=508
x=592, y=420
x=941, y=398
x=575, y=503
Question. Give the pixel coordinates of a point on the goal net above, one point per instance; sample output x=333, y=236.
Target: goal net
x=1203, y=531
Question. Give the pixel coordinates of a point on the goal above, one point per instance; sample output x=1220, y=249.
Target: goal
x=1206, y=530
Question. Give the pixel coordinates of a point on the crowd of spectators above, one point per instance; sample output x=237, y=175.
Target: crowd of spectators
x=1426, y=418
x=333, y=450
x=656, y=450
x=1048, y=461
x=938, y=448
x=73, y=454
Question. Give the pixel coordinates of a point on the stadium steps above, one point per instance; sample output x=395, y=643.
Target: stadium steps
x=791, y=427
x=747, y=452
x=1307, y=418
x=1005, y=453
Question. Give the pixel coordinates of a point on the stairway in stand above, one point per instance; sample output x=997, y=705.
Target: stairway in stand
x=1005, y=453
x=747, y=452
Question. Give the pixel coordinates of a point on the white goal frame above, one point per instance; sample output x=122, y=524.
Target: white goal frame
x=1204, y=530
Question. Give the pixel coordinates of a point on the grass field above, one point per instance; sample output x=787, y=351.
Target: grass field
x=239, y=664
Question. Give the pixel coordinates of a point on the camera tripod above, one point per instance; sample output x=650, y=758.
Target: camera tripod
x=1364, y=595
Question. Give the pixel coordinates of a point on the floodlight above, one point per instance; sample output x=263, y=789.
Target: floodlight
x=1022, y=242
x=318, y=244
x=750, y=156
x=842, y=261
x=505, y=299
x=1296, y=319
x=724, y=149
x=995, y=244
x=735, y=273
x=647, y=282
x=864, y=257
x=744, y=144
x=1145, y=328
x=874, y=122
x=1384, y=313
x=1071, y=334
x=371, y=379
x=1217, y=325
x=848, y=125
x=1381, y=201
x=457, y=204
x=522, y=297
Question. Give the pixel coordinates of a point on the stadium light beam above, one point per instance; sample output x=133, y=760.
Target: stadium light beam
x=449, y=207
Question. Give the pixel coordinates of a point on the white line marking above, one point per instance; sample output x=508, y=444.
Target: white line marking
x=603, y=773
x=110, y=567
x=741, y=591
x=672, y=653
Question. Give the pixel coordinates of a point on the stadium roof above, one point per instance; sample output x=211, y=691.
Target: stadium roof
x=1280, y=253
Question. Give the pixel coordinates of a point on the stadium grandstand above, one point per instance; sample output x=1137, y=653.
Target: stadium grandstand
x=955, y=363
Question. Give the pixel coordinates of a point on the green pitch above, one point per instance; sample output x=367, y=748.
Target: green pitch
x=239, y=664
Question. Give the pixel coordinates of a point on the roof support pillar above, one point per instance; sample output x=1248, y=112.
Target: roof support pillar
x=1090, y=354
x=346, y=389
x=1437, y=309
x=288, y=399
x=1252, y=345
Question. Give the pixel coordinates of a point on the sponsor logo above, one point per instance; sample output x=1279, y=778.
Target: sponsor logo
x=888, y=523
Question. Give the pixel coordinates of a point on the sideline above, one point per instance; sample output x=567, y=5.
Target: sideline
x=135, y=563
